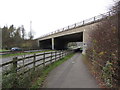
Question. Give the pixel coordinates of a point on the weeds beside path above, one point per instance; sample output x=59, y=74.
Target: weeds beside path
x=93, y=71
x=39, y=82
x=32, y=79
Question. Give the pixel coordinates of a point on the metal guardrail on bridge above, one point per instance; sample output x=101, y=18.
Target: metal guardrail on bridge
x=82, y=23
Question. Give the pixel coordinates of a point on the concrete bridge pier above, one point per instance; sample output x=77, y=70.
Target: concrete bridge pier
x=84, y=44
x=53, y=45
x=60, y=42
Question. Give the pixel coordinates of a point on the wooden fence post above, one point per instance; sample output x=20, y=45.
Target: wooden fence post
x=23, y=61
x=109, y=13
x=34, y=58
x=15, y=72
x=15, y=64
x=58, y=55
x=55, y=55
x=51, y=58
x=44, y=59
x=94, y=19
x=62, y=54
x=65, y=53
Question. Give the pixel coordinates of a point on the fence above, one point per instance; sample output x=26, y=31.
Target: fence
x=33, y=61
x=18, y=67
x=84, y=22
x=22, y=51
x=19, y=70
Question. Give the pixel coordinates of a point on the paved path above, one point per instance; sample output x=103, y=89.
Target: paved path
x=71, y=74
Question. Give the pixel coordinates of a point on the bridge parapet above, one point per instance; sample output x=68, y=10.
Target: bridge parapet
x=82, y=23
x=78, y=32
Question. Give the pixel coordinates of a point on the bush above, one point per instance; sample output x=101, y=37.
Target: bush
x=103, y=48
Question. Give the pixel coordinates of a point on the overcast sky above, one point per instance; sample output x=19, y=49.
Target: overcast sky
x=49, y=15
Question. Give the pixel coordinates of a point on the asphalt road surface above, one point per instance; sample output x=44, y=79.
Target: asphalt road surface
x=71, y=74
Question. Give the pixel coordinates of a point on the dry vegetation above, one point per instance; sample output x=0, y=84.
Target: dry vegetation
x=103, y=51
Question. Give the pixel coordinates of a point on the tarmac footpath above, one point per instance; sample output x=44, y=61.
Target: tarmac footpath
x=73, y=73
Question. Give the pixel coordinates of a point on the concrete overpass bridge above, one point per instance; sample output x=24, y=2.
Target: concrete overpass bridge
x=78, y=32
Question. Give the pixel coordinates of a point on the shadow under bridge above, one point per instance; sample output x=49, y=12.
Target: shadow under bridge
x=60, y=43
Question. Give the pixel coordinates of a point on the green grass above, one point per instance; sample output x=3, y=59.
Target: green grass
x=38, y=83
x=18, y=54
x=32, y=79
x=3, y=50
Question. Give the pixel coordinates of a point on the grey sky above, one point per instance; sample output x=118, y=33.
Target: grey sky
x=49, y=15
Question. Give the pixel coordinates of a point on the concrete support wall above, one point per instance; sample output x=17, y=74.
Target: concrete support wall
x=45, y=44
x=86, y=36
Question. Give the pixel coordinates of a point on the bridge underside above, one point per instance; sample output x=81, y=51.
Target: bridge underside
x=60, y=43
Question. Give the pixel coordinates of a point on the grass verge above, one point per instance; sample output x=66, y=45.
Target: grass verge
x=39, y=82
x=18, y=54
x=2, y=50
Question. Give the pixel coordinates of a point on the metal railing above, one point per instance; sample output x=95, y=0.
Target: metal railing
x=82, y=23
